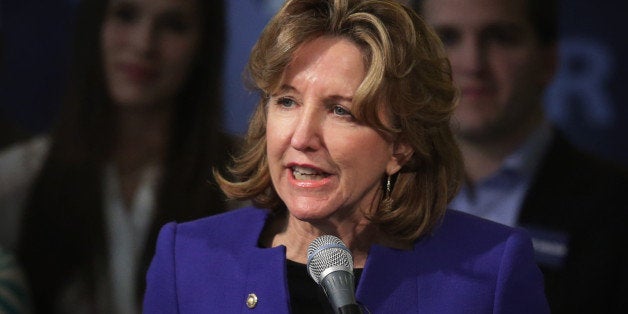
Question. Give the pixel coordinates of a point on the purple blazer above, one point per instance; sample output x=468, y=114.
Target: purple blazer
x=467, y=265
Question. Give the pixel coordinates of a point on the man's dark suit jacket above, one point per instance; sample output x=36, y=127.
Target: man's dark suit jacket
x=576, y=212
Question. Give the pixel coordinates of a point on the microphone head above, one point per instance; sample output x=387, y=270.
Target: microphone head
x=326, y=254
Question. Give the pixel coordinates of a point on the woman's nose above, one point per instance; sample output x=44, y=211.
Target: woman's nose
x=307, y=131
x=144, y=36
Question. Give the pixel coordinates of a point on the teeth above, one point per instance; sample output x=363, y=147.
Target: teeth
x=302, y=173
x=303, y=170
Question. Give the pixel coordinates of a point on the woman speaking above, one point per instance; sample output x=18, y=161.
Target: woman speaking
x=350, y=139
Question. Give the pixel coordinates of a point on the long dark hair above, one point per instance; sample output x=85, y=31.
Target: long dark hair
x=63, y=234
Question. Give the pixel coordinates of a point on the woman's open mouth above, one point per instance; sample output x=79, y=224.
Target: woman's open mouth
x=304, y=173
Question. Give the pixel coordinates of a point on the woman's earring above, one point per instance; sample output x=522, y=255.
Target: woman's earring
x=387, y=201
x=387, y=195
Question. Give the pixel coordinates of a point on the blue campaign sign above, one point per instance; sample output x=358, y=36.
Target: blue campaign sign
x=588, y=97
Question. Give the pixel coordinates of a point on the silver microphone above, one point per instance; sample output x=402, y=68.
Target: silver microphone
x=330, y=264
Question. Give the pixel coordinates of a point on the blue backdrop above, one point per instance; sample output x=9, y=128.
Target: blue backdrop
x=587, y=99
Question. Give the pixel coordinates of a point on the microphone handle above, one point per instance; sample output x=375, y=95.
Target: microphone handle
x=338, y=286
x=350, y=309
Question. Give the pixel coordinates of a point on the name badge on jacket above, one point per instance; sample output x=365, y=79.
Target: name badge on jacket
x=550, y=246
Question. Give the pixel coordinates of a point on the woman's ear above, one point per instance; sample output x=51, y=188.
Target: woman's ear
x=402, y=152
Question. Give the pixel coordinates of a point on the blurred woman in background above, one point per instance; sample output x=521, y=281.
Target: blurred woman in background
x=132, y=149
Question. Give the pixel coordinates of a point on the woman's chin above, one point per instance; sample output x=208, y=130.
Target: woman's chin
x=309, y=213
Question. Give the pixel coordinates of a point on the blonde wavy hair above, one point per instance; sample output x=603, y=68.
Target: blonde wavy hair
x=408, y=77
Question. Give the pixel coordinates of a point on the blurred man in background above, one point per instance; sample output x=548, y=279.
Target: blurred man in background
x=521, y=171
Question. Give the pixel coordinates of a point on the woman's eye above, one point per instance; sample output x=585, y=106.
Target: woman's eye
x=174, y=22
x=286, y=102
x=125, y=13
x=338, y=110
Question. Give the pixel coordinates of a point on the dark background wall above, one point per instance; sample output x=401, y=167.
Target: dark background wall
x=35, y=53
x=587, y=100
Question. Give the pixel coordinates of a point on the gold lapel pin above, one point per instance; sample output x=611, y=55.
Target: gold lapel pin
x=251, y=300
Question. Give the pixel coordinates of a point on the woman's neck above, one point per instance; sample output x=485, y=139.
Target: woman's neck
x=140, y=139
x=297, y=235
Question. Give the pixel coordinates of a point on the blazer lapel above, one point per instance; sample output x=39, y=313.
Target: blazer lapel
x=266, y=281
x=388, y=283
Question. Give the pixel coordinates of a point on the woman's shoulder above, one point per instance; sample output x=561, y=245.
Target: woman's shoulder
x=24, y=156
x=475, y=237
x=476, y=263
x=463, y=224
x=464, y=241
x=20, y=165
x=233, y=227
x=229, y=219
